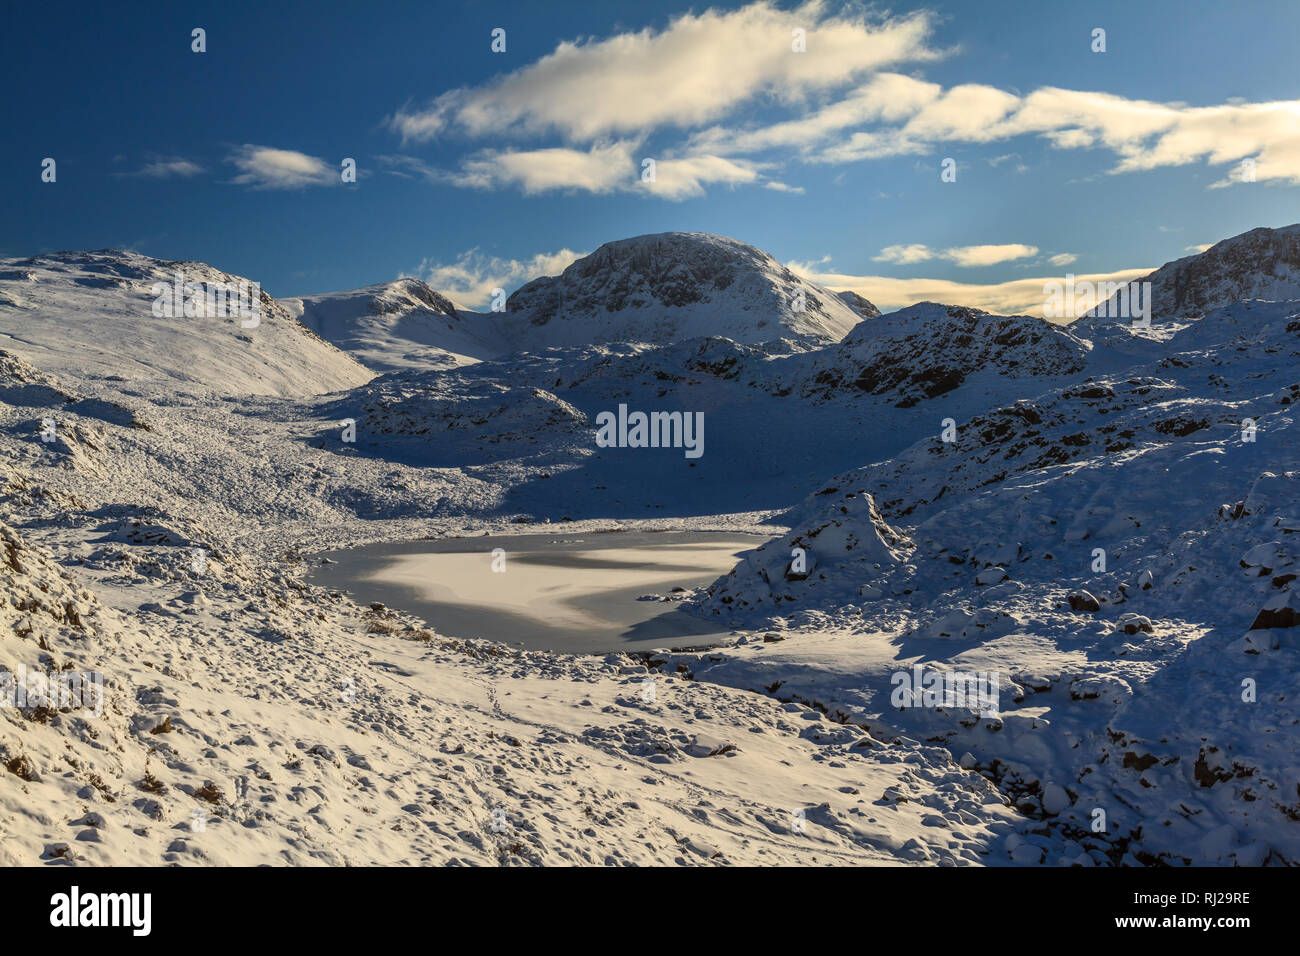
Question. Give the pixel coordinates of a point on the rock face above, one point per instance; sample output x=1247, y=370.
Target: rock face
x=928, y=350
x=671, y=286
x=858, y=304
x=1259, y=264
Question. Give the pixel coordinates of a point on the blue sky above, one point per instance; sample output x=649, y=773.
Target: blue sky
x=479, y=168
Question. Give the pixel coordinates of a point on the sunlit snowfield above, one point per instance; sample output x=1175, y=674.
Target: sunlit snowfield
x=577, y=594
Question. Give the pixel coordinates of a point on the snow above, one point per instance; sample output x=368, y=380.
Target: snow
x=398, y=325
x=1260, y=264
x=672, y=286
x=46, y=302
x=1110, y=531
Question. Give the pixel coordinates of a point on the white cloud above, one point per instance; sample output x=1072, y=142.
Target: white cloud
x=695, y=70
x=170, y=168
x=905, y=255
x=682, y=178
x=598, y=95
x=886, y=97
x=265, y=167
x=970, y=112
x=1144, y=135
x=1016, y=297
x=1063, y=258
x=607, y=168
x=1199, y=247
x=470, y=280
x=599, y=169
x=968, y=257
x=893, y=115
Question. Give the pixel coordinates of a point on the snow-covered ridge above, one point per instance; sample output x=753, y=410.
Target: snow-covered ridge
x=397, y=325
x=96, y=312
x=928, y=350
x=1122, y=682
x=1260, y=264
x=858, y=304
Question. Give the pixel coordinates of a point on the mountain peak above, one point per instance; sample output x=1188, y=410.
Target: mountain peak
x=858, y=304
x=670, y=286
x=1262, y=263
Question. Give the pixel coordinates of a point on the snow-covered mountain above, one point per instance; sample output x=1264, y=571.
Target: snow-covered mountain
x=659, y=289
x=1139, y=524
x=1260, y=264
x=1110, y=530
x=398, y=324
x=858, y=304
x=676, y=285
x=139, y=318
x=928, y=350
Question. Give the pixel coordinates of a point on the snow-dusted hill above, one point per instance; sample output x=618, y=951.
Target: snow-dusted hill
x=1260, y=264
x=671, y=286
x=928, y=350
x=98, y=312
x=398, y=324
x=1121, y=550
x=858, y=304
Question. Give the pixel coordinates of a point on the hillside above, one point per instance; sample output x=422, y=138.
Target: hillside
x=399, y=324
x=1260, y=264
x=671, y=286
x=96, y=312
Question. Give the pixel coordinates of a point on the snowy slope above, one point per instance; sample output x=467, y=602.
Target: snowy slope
x=94, y=312
x=985, y=550
x=671, y=286
x=249, y=718
x=858, y=304
x=398, y=324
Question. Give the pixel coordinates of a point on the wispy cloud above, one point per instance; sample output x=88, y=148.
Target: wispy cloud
x=170, y=168
x=1016, y=297
x=845, y=101
x=968, y=257
x=265, y=167
x=907, y=116
x=680, y=178
x=905, y=255
x=601, y=168
x=1063, y=258
x=470, y=280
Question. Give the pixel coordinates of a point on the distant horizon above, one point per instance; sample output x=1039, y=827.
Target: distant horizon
x=886, y=306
